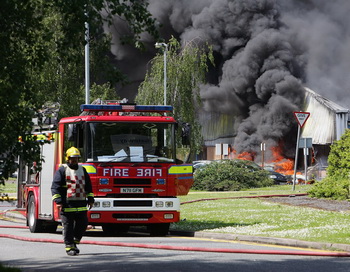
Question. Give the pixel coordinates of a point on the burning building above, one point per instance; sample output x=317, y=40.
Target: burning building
x=327, y=123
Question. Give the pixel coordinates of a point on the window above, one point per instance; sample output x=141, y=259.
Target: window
x=130, y=142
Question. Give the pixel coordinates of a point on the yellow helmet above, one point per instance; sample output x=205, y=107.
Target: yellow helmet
x=72, y=152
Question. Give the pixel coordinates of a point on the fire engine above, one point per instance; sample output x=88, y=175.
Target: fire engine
x=129, y=152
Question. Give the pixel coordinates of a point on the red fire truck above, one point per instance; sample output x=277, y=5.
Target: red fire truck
x=129, y=152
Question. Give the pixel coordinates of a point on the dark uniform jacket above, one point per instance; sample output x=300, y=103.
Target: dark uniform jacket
x=59, y=190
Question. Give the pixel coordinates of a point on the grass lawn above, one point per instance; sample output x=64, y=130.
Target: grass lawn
x=256, y=216
x=10, y=187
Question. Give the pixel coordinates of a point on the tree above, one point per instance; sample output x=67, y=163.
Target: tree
x=42, y=55
x=186, y=70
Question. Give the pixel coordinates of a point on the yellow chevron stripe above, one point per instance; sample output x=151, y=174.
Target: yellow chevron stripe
x=90, y=168
x=181, y=169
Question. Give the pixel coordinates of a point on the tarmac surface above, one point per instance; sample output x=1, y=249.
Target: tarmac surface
x=8, y=211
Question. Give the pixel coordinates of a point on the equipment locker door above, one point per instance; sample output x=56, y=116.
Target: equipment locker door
x=46, y=177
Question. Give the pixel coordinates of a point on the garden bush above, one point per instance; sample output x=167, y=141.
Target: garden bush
x=230, y=175
x=336, y=185
x=333, y=188
x=339, y=157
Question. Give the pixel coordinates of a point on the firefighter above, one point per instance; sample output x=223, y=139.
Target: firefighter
x=72, y=191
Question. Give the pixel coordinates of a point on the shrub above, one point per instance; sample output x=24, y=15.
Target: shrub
x=336, y=185
x=339, y=158
x=334, y=188
x=230, y=175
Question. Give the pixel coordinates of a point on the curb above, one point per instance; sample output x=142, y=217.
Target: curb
x=265, y=240
x=13, y=215
x=274, y=241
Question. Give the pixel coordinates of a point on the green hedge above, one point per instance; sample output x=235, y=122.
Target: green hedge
x=230, y=175
x=333, y=188
x=8, y=269
x=337, y=183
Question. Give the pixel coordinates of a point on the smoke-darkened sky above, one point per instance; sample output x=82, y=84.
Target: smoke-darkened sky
x=266, y=51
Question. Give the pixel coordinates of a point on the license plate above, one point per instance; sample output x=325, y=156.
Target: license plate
x=131, y=190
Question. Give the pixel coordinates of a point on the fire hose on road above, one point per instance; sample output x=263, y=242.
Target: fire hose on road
x=178, y=248
x=182, y=248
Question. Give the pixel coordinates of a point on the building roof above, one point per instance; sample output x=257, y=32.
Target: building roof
x=327, y=121
x=326, y=102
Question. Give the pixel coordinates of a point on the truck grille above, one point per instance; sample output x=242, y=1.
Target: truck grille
x=132, y=203
x=132, y=181
x=132, y=216
x=131, y=195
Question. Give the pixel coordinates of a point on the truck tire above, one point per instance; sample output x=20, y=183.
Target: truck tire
x=35, y=224
x=161, y=229
x=113, y=229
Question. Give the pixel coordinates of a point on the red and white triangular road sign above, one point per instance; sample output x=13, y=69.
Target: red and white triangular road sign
x=301, y=117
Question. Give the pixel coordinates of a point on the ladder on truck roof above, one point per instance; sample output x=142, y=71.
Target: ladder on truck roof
x=47, y=117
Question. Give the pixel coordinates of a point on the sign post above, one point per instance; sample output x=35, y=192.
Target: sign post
x=305, y=144
x=221, y=150
x=301, y=118
x=263, y=148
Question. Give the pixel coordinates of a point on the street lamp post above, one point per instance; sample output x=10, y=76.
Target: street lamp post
x=87, y=64
x=165, y=48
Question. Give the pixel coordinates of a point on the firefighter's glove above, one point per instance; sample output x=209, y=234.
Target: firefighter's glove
x=57, y=198
x=91, y=202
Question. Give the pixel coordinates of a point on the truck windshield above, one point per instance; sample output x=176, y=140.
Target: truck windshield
x=130, y=142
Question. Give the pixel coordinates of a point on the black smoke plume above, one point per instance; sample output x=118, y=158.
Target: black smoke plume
x=266, y=51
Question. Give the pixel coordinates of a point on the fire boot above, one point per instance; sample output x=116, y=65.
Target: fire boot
x=76, y=242
x=71, y=250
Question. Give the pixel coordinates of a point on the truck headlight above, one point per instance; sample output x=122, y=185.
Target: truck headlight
x=169, y=204
x=106, y=204
x=159, y=204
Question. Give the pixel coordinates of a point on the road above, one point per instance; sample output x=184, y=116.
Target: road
x=140, y=252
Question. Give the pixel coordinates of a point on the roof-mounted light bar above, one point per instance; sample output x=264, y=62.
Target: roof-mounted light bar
x=126, y=108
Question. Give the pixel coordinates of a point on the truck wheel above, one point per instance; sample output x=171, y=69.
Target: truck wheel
x=159, y=229
x=35, y=225
x=113, y=229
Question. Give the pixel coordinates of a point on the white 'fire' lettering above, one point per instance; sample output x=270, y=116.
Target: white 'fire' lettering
x=148, y=172
x=116, y=172
x=124, y=172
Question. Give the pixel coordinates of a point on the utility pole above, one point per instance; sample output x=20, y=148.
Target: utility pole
x=165, y=51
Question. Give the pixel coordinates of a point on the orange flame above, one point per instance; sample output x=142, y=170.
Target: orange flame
x=246, y=156
x=282, y=165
